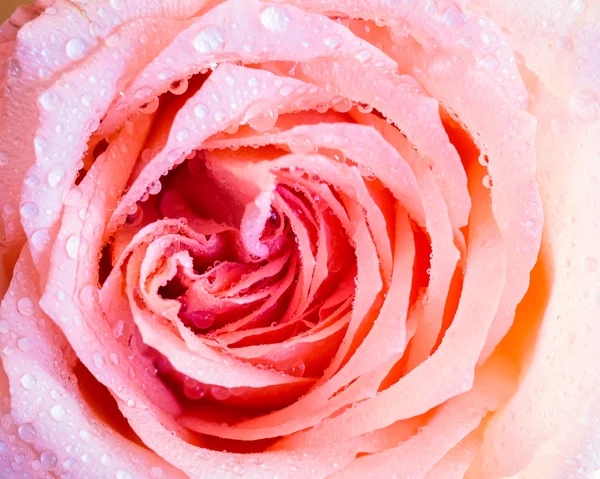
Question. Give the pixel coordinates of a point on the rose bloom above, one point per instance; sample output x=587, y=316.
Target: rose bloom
x=300, y=239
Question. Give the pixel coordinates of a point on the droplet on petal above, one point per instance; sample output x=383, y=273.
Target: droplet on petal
x=75, y=48
x=209, y=40
x=275, y=18
x=25, y=307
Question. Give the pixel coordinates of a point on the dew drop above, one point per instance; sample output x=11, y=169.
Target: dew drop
x=364, y=107
x=85, y=435
x=489, y=62
x=89, y=295
x=154, y=187
x=48, y=460
x=453, y=17
x=286, y=90
x=25, y=307
x=3, y=158
x=488, y=37
x=105, y=459
x=40, y=238
x=117, y=4
x=221, y=116
x=201, y=111
x=98, y=360
x=122, y=474
x=341, y=104
x=73, y=245
x=585, y=104
x=220, y=393
x=487, y=181
x=183, y=134
x=209, y=40
x=179, y=87
x=24, y=344
x=364, y=56
x=579, y=5
x=58, y=412
x=28, y=381
x=333, y=41
x=49, y=100
x=261, y=117
x=75, y=48
x=483, y=160
x=29, y=210
x=26, y=432
x=56, y=175
x=150, y=107
x=275, y=18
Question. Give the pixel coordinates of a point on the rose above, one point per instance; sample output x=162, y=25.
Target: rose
x=391, y=258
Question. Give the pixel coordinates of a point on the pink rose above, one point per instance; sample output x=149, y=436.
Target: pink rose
x=349, y=239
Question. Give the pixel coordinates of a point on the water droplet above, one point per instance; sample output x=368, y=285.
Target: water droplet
x=488, y=37
x=298, y=370
x=193, y=389
x=179, y=87
x=58, y=412
x=40, y=144
x=201, y=111
x=28, y=381
x=431, y=7
x=105, y=459
x=48, y=460
x=56, y=175
x=333, y=41
x=24, y=344
x=286, y=90
x=364, y=107
x=26, y=432
x=117, y=4
x=183, y=134
x=49, y=100
x=75, y=48
x=89, y=295
x=25, y=307
x=483, y=160
x=85, y=435
x=220, y=393
x=74, y=244
x=341, y=104
x=487, y=181
x=585, y=104
x=209, y=40
x=275, y=18
x=589, y=264
x=579, y=5
x=3, y=158
x=261, y=116
x=98, y=359
x=221, y=116
x=122, y=474
x=40, y=238
x=154, y=187
x=489, y=62
x=364, y=56
x=453, y=17
x=150, y=107
x=29, y=210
